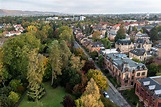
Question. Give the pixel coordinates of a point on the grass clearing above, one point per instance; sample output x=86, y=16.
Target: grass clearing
x=52, y=98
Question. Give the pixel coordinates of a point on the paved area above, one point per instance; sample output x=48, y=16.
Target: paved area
x=115, y=96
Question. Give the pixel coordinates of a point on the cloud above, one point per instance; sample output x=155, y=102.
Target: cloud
x=84, y=6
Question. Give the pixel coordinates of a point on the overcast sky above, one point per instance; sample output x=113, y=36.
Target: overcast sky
x=85, y=6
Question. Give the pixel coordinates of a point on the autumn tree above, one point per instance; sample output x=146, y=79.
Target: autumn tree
x=120, y=33
x=65, y=54
x=35, y=74
x=96, y=35
x=91, y=96
x=55, y=60
x=76, y=63
x=99, y=78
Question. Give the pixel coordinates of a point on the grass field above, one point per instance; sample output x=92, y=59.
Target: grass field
x=53, y=98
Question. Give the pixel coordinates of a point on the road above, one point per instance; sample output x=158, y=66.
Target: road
x=115, y=96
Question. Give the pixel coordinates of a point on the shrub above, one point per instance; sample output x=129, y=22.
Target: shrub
x=14, y=97
x=14, y=84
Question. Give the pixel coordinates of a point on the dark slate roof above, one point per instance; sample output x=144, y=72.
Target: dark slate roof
x=123, y=41
x=138, y=51
x=142, y=41
x=97, y=44
x=158, y=46
x=119, y=60
x=153, y=84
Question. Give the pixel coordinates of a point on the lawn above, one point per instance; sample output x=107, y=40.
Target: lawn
x=131, y=97
x=53, y=98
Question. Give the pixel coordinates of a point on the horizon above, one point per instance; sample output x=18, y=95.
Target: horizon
x=85, y=6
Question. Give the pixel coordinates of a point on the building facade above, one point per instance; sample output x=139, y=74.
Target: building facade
x=125, y=70
x=124, y=45
x=149, y=91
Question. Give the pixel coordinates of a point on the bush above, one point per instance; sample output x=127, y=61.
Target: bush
x=14, y=97
x=14, y=84
x=68, y=101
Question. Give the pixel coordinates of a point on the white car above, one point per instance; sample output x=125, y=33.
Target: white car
x=106, y=94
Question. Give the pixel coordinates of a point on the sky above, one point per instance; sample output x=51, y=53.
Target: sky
x=85, y=6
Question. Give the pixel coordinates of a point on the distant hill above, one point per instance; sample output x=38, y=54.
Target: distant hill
x=4, y=12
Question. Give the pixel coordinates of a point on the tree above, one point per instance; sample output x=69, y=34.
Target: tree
x=134, y=29
x=76, y=63
x=96, y=35
x=101, y=61
x=99, y=78
x=15, y=54
x=88, y=65
x=35, y=74
x=120, y=33
x=55, y=60
x=14, y=84
x=65, y=54
x=68, y=101
x=14, y=97
x=106, y=36
x=91, y=96
x=106, y=43
x=154, y=34
x=129, y=30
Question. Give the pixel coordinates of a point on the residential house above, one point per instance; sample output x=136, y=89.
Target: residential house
x=95, y=46
x=139, y=53
x=124, y=45
x=158, y=48
x=125, y=70
x=149, y=91
x=143, y=43
x=140, y=35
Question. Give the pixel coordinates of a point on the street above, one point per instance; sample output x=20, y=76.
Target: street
x=113, y=93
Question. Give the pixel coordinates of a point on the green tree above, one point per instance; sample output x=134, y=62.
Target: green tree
x=106, y=43
x=55, y=60
x=99, y=78
x=120, y=33
x=134, y=29
x=91, y=96
x=14, y=97
x=14, y=84
x=154, y=34
x=35, y=74
x=15, y=54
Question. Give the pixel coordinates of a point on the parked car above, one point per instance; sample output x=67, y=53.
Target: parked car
x=106, y=94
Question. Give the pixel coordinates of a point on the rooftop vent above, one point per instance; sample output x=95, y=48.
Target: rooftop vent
x=157, y=92
x=152, y=87
x=146, y=83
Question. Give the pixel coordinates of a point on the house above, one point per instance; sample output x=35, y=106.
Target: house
x=112, y=34
x=149, y=91
x=95, y=46
x=125, y=70
x=158, y=48
x=139, y=53
x=140, y=35
x=124, y=45
x=12, y=33
x=143, y=43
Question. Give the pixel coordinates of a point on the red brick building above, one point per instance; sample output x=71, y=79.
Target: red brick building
x=149, y=91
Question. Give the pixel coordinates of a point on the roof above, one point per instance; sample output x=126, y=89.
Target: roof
x=138, y=51
x=123, y=42
x=153, y=84
x=140, y=40
x=119, y=60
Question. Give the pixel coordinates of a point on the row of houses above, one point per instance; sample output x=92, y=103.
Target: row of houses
x=127, y=72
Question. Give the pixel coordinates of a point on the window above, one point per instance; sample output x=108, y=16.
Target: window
x=143, y=73
x=138, y=74
x=132, y=77
x=132, y=83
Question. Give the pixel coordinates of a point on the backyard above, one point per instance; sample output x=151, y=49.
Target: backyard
x=53, y=98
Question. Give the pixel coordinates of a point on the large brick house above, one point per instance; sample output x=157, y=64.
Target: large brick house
x=125, y=70
x=124, y=45
x=149, y=91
